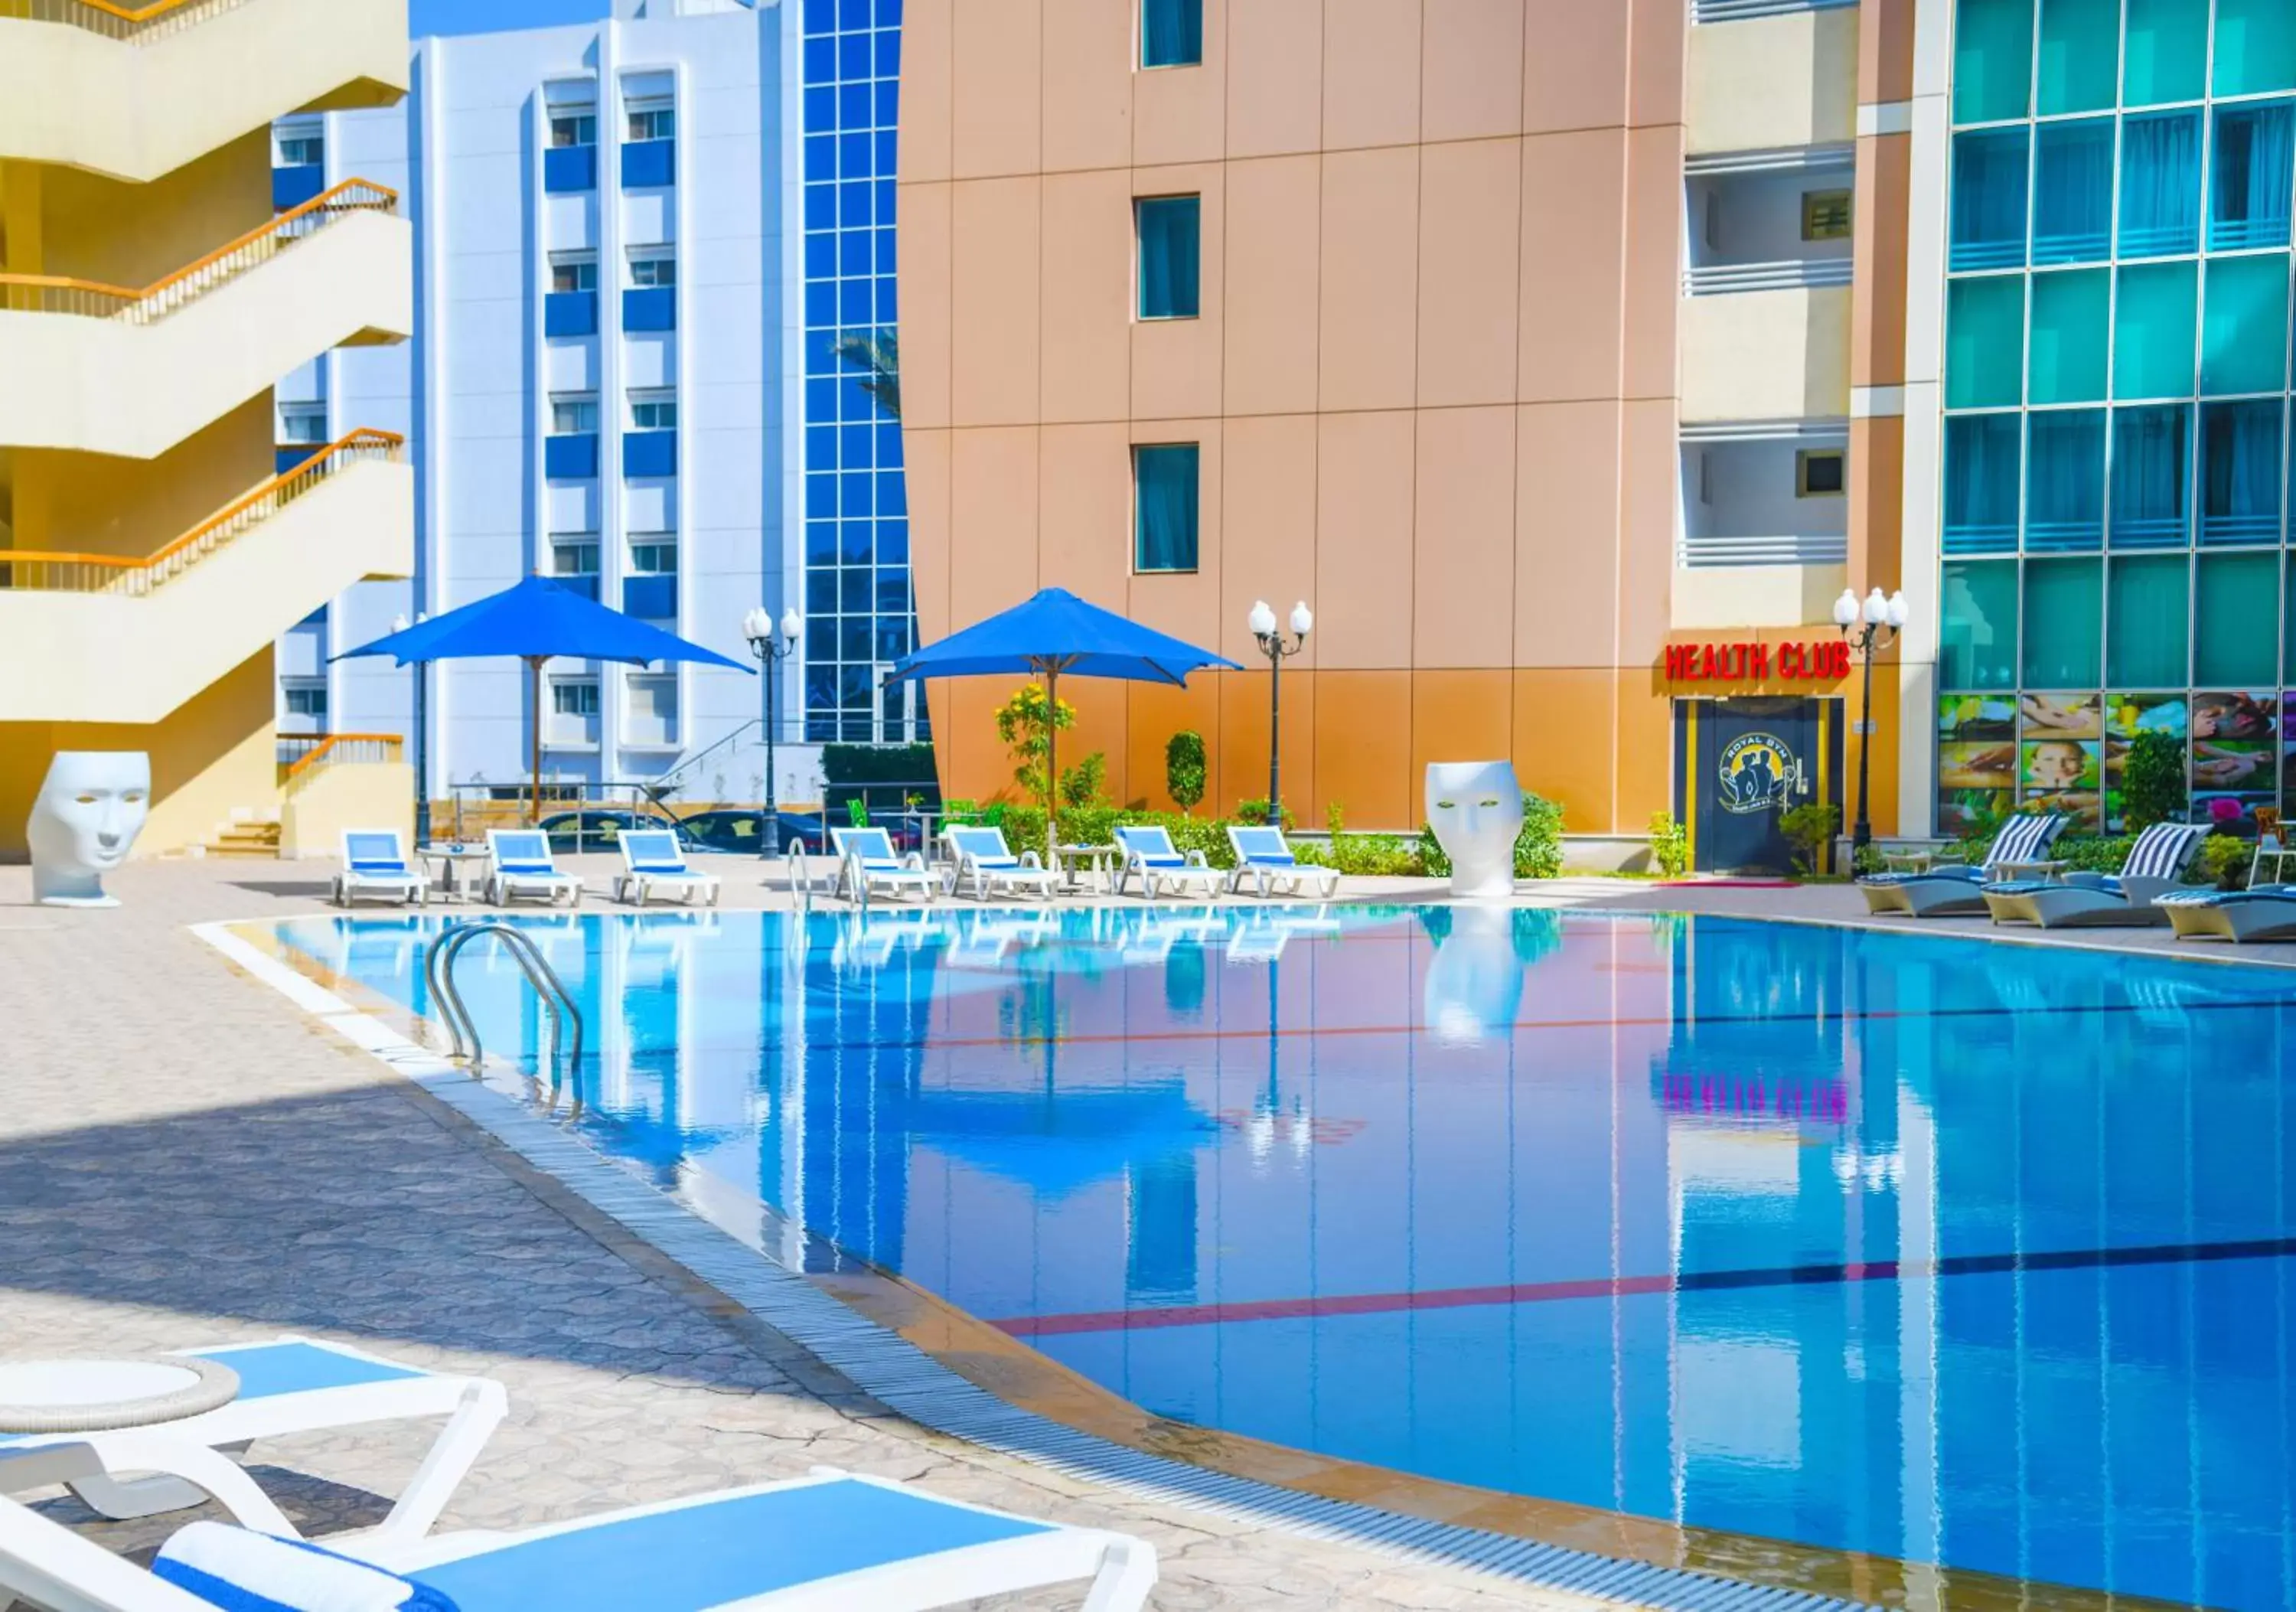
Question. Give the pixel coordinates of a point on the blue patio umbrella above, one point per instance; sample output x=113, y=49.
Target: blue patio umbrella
x=534, y=621
x=1051, y=634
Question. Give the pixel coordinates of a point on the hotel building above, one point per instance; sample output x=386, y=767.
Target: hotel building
x=1570, y=360
x=151, y=548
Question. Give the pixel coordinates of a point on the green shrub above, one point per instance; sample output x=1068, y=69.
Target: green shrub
x=2226, y=858
x=1670, y=845
x=1866, y=860
x=2092, y=852
x=1184, y=769
x=1369, y=856
x=1253, y=812
x=1085, y=784
x=2153, y=781
x=1811, y=827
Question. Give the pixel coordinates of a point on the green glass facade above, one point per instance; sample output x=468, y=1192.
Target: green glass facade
x=2115, y=521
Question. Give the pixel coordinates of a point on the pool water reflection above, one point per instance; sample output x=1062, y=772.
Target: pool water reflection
x=1894, y=1243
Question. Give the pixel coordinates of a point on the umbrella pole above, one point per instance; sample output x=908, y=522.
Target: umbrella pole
x=1052, y=764
x=534, y=772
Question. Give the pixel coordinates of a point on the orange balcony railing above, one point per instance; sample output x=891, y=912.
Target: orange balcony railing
x=135, y=23
x=93, y=299
x=305, y=756
x=134, y=577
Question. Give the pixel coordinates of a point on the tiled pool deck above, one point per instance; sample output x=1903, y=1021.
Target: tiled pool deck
x=184, y=1158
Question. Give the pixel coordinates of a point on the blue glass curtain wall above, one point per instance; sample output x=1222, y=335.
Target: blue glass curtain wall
x=2113, y=500
x=857, y=597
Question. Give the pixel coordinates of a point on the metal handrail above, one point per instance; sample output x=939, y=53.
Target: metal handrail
x=463, y=1030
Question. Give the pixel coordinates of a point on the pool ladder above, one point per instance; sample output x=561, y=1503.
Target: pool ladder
x=463, y=1030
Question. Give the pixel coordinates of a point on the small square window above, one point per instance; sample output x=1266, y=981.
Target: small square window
x=574, y=696
x=302, y=148
x=573, y=271
x=574, y=556
x=1164, y=501
x=654, y=411
x=1826, y=215
x=573, y=414
x=573, y=129
x=653, y=553
x=1820, y=473
x=302, y=423
x=306, y=699
x=652, y=123
x=1171, y=33
x=654, y=266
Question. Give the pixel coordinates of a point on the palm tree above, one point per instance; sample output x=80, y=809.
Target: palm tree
x=879, y=353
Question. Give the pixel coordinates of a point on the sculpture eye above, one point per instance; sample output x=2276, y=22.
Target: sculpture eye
x=134, y=797
x=85, y=800
x=1493, y=801
x=1447, y=805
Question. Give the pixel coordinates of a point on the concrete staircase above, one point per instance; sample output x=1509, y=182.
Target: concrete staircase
x=246, y=837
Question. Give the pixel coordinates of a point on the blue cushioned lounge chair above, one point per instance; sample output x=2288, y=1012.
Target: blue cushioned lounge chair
x=1956, y=891
x=1148, y=853
x=830, y=1540
x=519, y=865
x=865, y=858
x=2154, y=866
x=1263, y=856
x=978, y=852
x=652, y=861
x=286, y=1386
x=376, y=866
x=2262, y=912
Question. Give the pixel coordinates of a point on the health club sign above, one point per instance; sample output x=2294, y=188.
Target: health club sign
x=1826, y=661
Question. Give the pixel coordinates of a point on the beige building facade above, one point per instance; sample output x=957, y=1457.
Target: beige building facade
x=1457, y=351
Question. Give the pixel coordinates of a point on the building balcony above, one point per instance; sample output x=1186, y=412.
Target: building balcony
x=1778, y=75
x=569, y=313
x=131, y=372
x=568, y=169
x=648, y=164
x=292, y=186
x=571, y=456
x=122, y=639
x=650, y=453
x=652, y=598
x=1768, y=220
x=1764, y=523
x=1765, y=355
x=136, y=94
x=650, y=307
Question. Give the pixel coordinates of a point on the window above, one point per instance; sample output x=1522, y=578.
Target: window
x=573, y=271
x=301, y=148
x=652, y=123
x=306, y=699
x=574, y=696
x=2072, y=191
x=1981, y=484
x=2080, y=55
x=2256, y=46
x=2149, y=621
x=1992, y=59
x=654, y=266
x=1977, y=632
x=573, y=414
x=2072, y=324
x=654, y=554
x=2245, y=327
x=1988, y=200
x=654, y=411
x=650, y=709
x=574, y=555
x=302, y=423
x=1985, y=342
x=2064, y=480
x=573, y=129
x=2153, y=330
x=2250, y=178
x=1171, y=33
x=1826, y=215
x=2064, y=623
x=1818, y=473
x=1164, y=495
x=2161, y=184
x=2151, y=476
x=2240, y=471
x=2166, y=57
x=1170, y=234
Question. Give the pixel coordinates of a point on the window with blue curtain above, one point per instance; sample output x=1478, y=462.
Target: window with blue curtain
x=2240, y=471
x=2161, y=184
x=2073, y=192
x=2064, y=480
x=1988, y=198
x=2250, y=176
x=1170, y=229
x=2151, y=476
x=1171, y=33
x=1164, y=498
x=1980, y=483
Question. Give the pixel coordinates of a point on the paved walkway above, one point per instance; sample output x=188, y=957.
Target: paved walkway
x=184, y=1159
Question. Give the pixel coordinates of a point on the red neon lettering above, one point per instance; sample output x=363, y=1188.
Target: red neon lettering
x=1761, y=661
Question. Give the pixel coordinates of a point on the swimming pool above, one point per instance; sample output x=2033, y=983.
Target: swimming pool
x=1920, y=1247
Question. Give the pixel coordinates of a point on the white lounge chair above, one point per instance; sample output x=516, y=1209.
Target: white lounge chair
x=2265, y=912
x=2154, y=866
x=978, y=852
x=1957, y=890
x=866, y=860
x=652, y=861
x=1149, y=852
x=288, y=1385
x=830, y=1540
x=1263, y=856
x=519, y=864
x=376, y=866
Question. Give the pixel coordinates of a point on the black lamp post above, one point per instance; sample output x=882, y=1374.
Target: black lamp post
x=771, y=650
x=422, y=737
x=1869, y=627
x=1272, y=646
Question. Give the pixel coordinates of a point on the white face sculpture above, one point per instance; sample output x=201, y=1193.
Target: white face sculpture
x=85, y=822
x=1476, y=810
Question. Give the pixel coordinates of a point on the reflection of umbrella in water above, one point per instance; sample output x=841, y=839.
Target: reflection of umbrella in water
x=1058, y=1142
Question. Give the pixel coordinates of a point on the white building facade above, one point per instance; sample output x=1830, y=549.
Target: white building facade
x=600, y=390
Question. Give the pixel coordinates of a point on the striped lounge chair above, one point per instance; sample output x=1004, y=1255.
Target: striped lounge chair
x=2154, y=866
x=1958, y=891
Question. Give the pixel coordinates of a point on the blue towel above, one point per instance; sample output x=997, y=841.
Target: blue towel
x=242, y=1571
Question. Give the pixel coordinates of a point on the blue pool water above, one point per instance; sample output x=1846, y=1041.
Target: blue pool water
x=1923, y=1246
